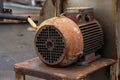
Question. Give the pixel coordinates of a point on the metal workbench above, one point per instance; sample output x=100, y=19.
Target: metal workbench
x=36, y=68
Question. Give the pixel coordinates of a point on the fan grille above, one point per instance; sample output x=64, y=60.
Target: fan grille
x=50, y=44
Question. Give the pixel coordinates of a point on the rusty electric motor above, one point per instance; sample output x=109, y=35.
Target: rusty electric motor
x=60, y=41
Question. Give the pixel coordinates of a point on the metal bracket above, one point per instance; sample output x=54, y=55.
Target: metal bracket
x=89, y=58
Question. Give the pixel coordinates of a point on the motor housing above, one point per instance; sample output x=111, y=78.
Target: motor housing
x=61, y=41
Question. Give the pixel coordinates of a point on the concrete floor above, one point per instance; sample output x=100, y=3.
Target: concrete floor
x=16, y=45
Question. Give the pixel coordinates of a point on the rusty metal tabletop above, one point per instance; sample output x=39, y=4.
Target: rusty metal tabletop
x=36, y=68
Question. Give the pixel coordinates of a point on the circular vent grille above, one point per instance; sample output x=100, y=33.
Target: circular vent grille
x=50, y=44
